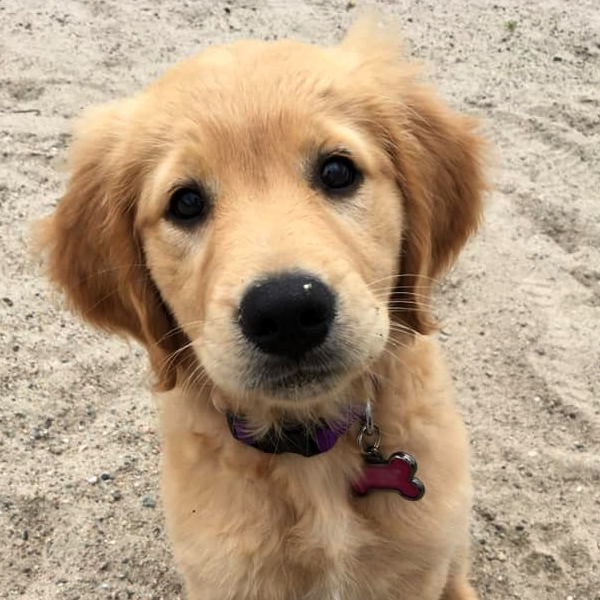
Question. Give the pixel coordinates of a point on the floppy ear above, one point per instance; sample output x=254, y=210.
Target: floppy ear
x=92, y=249
x=438, y=161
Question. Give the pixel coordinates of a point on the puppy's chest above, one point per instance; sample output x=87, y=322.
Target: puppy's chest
x=313, y=529
x=330, y=529
x=325, y=542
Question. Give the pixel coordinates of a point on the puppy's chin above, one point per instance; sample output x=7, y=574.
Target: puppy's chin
x=291, y=386
x=286, y=389
x=303, y=385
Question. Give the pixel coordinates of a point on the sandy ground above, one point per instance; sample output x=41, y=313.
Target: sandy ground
x=80, y=516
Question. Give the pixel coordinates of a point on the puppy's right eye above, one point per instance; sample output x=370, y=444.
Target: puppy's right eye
x=337, y=173
x=187, y=204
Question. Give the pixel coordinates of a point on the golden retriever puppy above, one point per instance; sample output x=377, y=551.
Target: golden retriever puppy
x=267, y=219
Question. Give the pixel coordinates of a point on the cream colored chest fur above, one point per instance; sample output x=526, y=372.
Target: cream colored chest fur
x=266, y=527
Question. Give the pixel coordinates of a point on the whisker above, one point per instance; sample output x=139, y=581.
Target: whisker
x=109, y=270
x=400, y=275
x=168, y=361
x=404, y=289
x=180, y=328
x=194, y=378
x=401, y=328
x=409, y=302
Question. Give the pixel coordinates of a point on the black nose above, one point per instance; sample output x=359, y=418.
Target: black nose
x=287, y=314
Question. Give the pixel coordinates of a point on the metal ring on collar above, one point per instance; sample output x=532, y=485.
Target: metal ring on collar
x=363, y=433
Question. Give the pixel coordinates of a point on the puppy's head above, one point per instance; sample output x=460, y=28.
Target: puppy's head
x=267, y=215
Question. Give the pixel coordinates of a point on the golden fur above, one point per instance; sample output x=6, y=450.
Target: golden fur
x=245, y=120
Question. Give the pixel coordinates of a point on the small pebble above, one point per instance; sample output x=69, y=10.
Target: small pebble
x=116, y=495
x=25, y=535
x=105, y=476
x=7, y=301
x=92, y=480
x=148, y=502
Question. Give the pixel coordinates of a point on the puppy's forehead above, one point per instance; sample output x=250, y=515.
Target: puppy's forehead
x=251, y=91
x=257, y=68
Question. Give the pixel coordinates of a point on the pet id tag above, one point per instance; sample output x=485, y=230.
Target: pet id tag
x=397, y=473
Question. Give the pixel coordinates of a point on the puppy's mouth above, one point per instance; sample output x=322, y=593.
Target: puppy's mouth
x=286, y=380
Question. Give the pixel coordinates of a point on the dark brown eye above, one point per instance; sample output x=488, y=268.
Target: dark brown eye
x=187, y=204
x=338, y=173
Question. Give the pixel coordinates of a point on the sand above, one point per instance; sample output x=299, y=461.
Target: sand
x=80, y=514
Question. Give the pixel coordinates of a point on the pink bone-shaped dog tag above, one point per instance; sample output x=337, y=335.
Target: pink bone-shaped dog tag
x=397, y=473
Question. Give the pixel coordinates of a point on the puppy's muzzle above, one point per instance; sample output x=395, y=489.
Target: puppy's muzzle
x=287, y=314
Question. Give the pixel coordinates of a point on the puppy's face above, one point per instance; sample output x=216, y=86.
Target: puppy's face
x=275, y=208
x=271, y=223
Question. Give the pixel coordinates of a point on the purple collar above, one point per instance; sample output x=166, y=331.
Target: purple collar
x=295, y=438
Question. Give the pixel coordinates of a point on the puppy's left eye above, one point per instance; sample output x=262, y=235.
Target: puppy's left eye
x=338, y=173
x=187, y=204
